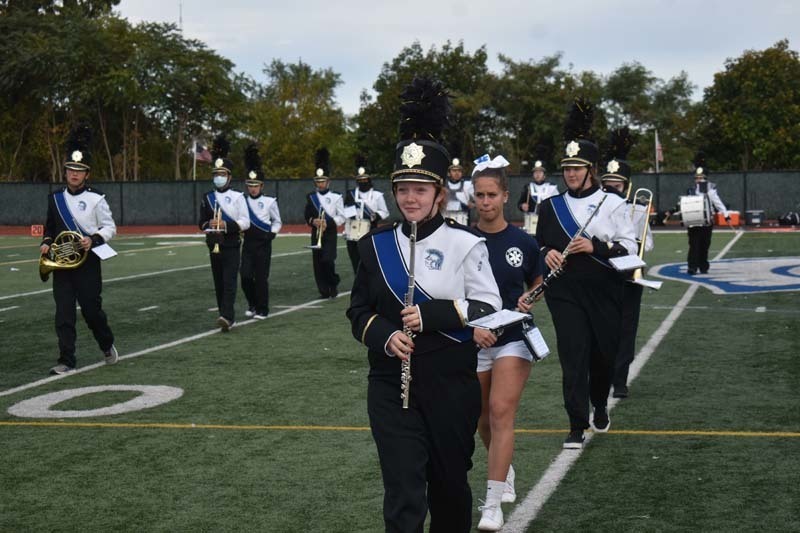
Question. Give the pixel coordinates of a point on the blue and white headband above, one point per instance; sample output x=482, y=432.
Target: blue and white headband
x=484, y=162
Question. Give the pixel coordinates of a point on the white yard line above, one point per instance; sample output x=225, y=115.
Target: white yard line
x=148, y=308
x=526, y=512
x=9, y=308
x=172, y=344
x=137, y=276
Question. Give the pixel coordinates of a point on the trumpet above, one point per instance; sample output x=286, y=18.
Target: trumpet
x=65, y=253
x=320, y=229
x=216, y=223
x=538, y=291
x=645, y=196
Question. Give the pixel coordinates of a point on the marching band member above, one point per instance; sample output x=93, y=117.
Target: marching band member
x=536, y=191
x=700, y=236
x=617, y=180
x=265, y=223
x=504, y=363
x=223, y=214
x=324, y=212
x=460, y=194
x=586, y=301
x=365, y=204
x=425, y=450
x=79, y=208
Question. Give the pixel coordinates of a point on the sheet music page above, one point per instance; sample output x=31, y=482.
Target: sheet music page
x=499, y=319
x=350, y=211
x=627, y=262
x=537, y=341
x=104, y=251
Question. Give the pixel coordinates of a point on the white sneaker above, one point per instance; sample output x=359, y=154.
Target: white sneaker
x=111, y=355
x=250, y=312
x=60, y=369
x=509, y=494
x=259, y=316
x=491, y=518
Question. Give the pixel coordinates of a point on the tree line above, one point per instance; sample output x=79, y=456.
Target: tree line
x=149, y=93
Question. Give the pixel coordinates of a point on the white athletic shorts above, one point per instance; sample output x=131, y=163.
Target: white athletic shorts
x=487, y=356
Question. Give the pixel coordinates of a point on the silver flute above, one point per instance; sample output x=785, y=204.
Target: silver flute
x=405, y=366
x=538, y=291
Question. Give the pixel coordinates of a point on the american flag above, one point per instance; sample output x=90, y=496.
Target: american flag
x=201, y=153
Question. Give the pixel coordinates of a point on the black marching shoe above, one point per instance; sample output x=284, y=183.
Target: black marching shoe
x=600, y=422
x=691, y=271
x=574, y=440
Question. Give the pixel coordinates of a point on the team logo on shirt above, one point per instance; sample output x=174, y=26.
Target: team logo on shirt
x=514, y=257
x=740, y=276
x=82, y=205
x=590, y=208
x=228, y=199
x=433, y=259
x=261, y=205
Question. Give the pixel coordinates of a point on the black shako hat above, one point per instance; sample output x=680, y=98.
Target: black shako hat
x=219, y=155
x=616, y=166
x=419, y=156
x=361, y=171
x=252, y=163
x=700, y=168
x=580, y=150
x=77, y=148
x=322, y=162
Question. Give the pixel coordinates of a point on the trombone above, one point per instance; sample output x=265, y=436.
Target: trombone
x=320, y=229
x=643, y=197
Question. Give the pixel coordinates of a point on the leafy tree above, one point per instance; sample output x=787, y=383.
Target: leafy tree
x=751, y=118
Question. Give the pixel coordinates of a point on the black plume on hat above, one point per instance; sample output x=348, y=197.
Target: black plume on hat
x=700, y=164
x=580, y=149
x=219, y=152
x=619, y=145
x=361, y=166
x=543, y=154
x=252, y=163
x=424, y=111
x=322, y=162
x=76, y=147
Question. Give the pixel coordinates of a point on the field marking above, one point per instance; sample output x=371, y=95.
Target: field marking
x=529, y=508
x=266, y=427
x=148, y=308
x=761, y=309
x=171, y=344
x=144, y=275
x=121, y=252
x=9, y=308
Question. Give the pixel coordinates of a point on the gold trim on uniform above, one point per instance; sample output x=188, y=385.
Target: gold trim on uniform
x=460, y=316
x=404, y=171
x=364, y=332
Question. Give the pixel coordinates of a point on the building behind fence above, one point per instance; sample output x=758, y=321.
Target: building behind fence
x=178, y=203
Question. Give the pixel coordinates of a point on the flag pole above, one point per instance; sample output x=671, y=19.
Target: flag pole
x=656, y=153
x=194, y=160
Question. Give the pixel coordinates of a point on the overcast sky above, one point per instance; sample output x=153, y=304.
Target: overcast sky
x=355, y=38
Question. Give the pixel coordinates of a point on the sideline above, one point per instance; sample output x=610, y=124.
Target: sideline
x=526, y=512
x=178, y=342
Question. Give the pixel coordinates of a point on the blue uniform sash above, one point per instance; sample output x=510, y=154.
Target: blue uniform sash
x=257, y=222
x=66, y=214
x=396, y=276
x=367, y=211
x=212, y=201
x=570, y=226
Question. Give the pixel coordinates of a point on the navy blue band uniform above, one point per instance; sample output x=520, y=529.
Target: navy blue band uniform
x=86, y=211
x=330, y=205
x=265, y=223
x=225, y=264
x=365, y=204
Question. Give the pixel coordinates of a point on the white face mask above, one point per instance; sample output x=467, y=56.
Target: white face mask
x=220, y=181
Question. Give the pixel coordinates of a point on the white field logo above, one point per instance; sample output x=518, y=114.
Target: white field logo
x=740, y=276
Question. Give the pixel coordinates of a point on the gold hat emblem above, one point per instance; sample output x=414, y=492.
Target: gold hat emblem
x=699, y=171
x=537, y=165
x=613, y=166
x=252, y=175
x=219, y=163
x=573, y=148
x=412, y=155
x=77, y=156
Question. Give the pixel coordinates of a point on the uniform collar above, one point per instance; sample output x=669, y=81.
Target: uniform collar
x=259, y=195
x=583, y=194
x=224, y=189
x=76, y=193
x=425, y=229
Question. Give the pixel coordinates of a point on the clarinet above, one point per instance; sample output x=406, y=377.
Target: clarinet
x=405, y=366
x=538, y=291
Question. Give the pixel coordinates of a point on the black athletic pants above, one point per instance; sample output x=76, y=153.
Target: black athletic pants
x=256, y=259
x=699, y=243
x=426, y=450
x=324, y=261
x=631, y=305
x=355, y=257
x=82, y=285
x=586, y=313
x=224, y=269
